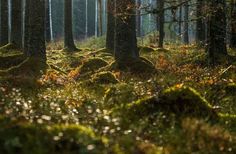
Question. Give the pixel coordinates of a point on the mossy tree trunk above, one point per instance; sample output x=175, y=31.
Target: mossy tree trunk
x=16, y=24
x=4, y=23
x=186, y=25
x=110, y=36
x=216, y=32
x=233, y=24
x=35, y=30
x=69, y=44
x=161, y=21
x=125, y=32
x=200, y=24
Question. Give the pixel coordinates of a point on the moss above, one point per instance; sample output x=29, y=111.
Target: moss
x=91, y=65
x=162, y=50
x=29, y=67
x=140, y=66
x=11, y=60
x=9, y=47
x=180, y=100
x=230, y=88
x=29, y=138
x=146, y=49
x=105, y=78
x=119, y=95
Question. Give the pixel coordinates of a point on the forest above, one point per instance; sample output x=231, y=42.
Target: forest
x=117, y=76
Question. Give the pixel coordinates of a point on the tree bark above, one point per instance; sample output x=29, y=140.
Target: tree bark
x=47, y=22
x=16, y=23
x=200, y=24
x=35, y=29
x=161, y=21
x=233, y=24
x=186, y=17
x=216, y=31
x=138, y=19
x=125, y=33
x=68, y=32
x=110, y=25
x=4, y=23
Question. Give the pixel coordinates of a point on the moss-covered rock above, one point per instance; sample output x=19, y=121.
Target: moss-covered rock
x=30, y=138
x=105, y=78
x=179, y=100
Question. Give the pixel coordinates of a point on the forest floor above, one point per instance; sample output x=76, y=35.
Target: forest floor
x=81, y=105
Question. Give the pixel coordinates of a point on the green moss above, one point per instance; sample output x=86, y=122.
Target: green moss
x=28, y=138
x=92, y=65
x=11, y=60
x=9, y=47
x=146, y=49
x=140, y=66
x=180, y=100
x=119, y=95
x=105, y=78
x=230, y=88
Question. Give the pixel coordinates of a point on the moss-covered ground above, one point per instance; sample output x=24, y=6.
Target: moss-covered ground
x=81, y=104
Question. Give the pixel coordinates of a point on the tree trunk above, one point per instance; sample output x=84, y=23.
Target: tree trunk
x=233, y=24
x=125, y=33
x=4, y=23
x=100, y=27
x=110, y=25
x=216, y=31
x=200, y=24
x=186, y=13
x=16, y=24
x=180, y=20
x=68, y=32
x=35, y=29
x=47, y=22
x=161, y=21
x=138, y=19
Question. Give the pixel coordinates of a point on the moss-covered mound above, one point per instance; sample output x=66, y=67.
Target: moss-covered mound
x=11, y=60
x=145, y=49
x=179, y=100
x=92, y=65
x=119, y=95
x=140, y=65
x=105, y=78
x=29, y=67
x=9, y=47
x=28, y=138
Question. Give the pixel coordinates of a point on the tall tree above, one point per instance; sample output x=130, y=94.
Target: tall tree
x=200, y=24
x=4, y=23
x=216, y=32
x=35, y=30
x=69, y=44
x=100, y=19
x=160, y=22
x=16, y=23
x=138, y=18
x=47, y=21
x=110, y=36
x=186, y=28
x=125, y=33
x=233, y=24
